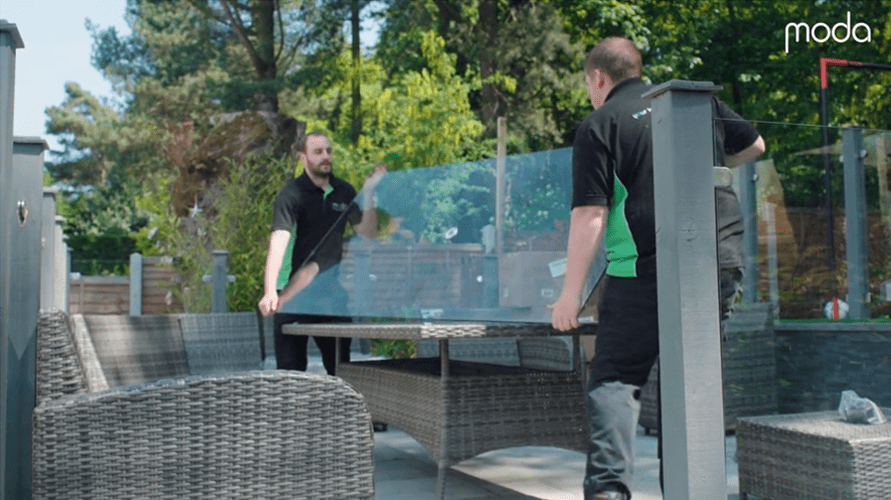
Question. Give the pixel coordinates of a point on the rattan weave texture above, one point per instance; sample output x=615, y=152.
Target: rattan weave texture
x=251, y=435
x=813, y=456
x=553, y=353
x=502, y=351
x=482, y=406
x=542, y=353
x=749, y=368
x=439, y=331
x=59, y=368
x=474, y=407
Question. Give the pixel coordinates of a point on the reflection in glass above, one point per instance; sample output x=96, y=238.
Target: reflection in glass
x=796, y=272
x=445, y=252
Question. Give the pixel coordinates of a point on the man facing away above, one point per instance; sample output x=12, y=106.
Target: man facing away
x=316, y=206
x=612, y=202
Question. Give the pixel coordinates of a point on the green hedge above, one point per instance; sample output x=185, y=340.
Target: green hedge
x=101, y=255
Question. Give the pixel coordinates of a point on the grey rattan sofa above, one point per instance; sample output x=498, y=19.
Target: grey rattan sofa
x=244, y=435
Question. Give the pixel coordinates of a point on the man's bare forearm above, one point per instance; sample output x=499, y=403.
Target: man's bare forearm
x=585, y=232
x=748, y=154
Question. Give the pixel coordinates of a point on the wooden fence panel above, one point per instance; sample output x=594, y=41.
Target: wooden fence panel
x=100, y=295
x=111, y=294
x=158, y=280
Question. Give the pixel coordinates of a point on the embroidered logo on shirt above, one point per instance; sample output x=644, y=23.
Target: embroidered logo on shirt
x=641, y=113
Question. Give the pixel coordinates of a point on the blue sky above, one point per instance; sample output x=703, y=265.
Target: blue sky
x=57, y=50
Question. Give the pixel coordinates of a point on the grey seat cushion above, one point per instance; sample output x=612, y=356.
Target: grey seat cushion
x=138, y=349
x=221, y=343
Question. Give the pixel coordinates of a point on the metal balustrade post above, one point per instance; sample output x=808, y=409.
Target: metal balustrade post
x=219, y=279
x=855, y=223
x=770, y=221
x=362, y=263
x=136, y=262
x=689, y=317
x=748, y=200
x=490, y=280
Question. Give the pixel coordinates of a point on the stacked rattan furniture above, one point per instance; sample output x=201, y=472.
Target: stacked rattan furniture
x=244, y=435
x=813, y=456
x=748, y=351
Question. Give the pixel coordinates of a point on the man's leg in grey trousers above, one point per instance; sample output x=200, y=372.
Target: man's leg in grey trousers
x=613, y=409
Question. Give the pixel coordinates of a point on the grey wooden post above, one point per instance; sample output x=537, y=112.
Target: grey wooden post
x=748, y=200
x=687, y=263
x=47, y=242
x=136, y=284
x=855, y=224
x=19, y=240
x=218, y=281
x=23, y=305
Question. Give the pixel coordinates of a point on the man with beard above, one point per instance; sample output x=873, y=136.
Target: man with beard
x=315, y=207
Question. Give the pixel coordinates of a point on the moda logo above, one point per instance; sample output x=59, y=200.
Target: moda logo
x=821, y=32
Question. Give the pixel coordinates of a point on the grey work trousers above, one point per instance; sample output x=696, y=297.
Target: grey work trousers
x=613, y=409
x=627, y=346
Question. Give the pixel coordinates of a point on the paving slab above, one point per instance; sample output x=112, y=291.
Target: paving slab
x=404, y=471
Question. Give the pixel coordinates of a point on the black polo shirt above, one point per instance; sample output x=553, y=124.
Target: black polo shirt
x=612, y=166
x=313, y=211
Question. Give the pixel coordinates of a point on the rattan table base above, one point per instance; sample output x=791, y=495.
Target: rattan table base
x=459, y=409
x=477, y=408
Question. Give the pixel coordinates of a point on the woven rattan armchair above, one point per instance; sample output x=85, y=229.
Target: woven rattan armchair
x=248, y=435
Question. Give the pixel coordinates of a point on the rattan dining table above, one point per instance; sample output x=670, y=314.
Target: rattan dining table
x=459, y=409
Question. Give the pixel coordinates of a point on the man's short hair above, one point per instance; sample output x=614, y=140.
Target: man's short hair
x=300, y=145
x=617, y=57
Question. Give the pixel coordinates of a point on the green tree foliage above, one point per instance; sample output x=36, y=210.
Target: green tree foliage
x=241, y=225
x=428, y=94
x=517, y=56
x=423, y=118
x=99, y=224
x=741, y=46
x=747, y=55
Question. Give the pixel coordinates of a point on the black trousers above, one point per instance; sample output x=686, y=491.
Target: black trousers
x=626, y=347
x=290, y=350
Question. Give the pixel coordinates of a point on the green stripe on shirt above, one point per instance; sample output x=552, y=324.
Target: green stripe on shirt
x=620, y=247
